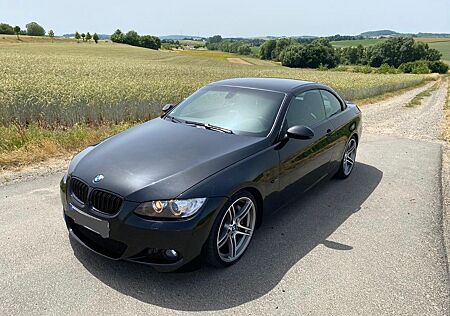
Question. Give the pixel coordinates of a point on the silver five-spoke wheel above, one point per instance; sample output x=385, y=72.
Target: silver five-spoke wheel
x=236, y=229
x=349, y=157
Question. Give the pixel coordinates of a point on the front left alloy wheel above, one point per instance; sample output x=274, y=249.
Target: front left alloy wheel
x=232, y=231
x=349, y=158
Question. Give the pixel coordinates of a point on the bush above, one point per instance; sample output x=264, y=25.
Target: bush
x=322, y=67
x=438, y=66
x=415, y=67
x=34, y=29
x=6, y=29
x=341, y=68
x=363, y=69
x=386, y=69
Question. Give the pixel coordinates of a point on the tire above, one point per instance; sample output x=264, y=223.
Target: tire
x=348, y=159
x=232, y=231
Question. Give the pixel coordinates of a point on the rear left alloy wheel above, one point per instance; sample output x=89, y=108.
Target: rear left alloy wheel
x=232, y=231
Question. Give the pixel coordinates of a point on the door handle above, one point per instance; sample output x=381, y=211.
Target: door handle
x=329, y=132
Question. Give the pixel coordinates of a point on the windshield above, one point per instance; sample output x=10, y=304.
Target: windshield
x=241, y=110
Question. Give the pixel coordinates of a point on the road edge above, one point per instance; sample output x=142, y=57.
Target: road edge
x=445, y=202
x=33, y=171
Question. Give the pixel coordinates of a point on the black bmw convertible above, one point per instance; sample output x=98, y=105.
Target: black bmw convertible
x=197, y=182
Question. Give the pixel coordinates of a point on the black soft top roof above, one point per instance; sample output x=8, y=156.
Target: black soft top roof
x=274, y=84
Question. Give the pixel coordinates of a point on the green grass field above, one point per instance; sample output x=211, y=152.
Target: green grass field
x=444, y=48
x=57, y=97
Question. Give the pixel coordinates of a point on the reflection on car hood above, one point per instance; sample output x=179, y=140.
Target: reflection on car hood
x=161, y=159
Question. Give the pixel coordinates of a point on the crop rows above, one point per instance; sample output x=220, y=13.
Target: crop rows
x=64, y=84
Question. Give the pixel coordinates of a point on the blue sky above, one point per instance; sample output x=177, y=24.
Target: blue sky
x=230, y=17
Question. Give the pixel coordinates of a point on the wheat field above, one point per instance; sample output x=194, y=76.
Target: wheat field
x=58, y=97
x=68, y=83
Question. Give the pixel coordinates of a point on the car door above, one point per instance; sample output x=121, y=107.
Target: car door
x=305, y=162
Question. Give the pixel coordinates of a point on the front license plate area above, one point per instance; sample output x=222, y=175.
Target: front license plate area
x=92, y=223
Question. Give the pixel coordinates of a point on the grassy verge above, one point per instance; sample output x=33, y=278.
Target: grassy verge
x=417, y=100
x=446, y=128
x=387, y=95
x=22, y=146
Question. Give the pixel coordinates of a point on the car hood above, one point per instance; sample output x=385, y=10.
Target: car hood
x=161, y=159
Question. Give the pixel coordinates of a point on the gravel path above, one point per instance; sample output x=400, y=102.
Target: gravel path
x=392, y=117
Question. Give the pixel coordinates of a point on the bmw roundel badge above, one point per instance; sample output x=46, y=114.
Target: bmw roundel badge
x=98, y=178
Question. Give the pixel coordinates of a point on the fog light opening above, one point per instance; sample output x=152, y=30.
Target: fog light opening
x=171, y=254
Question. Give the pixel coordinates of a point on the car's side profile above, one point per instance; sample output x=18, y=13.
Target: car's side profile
x=200, y=179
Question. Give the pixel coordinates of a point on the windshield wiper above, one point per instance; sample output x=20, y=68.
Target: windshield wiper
x=175, y=120
x=210, y=127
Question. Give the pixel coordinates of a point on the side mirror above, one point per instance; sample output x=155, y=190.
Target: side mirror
x=166, y=108
x=300, y=132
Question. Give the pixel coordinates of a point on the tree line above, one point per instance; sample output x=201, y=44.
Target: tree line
x=34, y=29
x=230, y=46
x=86, y=37
x=396, y=54
x=31, y=29
x=134, y=39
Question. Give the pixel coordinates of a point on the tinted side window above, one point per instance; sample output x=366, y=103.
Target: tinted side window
x=331, y=103
x=305, y=109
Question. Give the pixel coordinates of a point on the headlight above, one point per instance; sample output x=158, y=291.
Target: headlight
x=170, y=209
x=64, y=179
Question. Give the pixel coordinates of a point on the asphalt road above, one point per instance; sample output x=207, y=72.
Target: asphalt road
x=368, y=245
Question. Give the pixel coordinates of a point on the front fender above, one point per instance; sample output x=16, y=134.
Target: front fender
x=259, y=171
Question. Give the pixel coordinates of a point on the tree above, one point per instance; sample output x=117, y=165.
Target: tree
x=132, y=38
x=244, y=49
x=281, y=44
x=88, y=36
x=95, y=38
x=319, y=52
x=77, y=36
x=118, y=37
x=266, y=51
x=149, y=41
x=215, y=39
x=34, y=29
x=399, y=50
x=51, y=34
x=433, y=54
x=17, y=30
x=83, y=36
x=6, y=29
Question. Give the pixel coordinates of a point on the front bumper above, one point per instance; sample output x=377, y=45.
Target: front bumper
x=136, y=239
